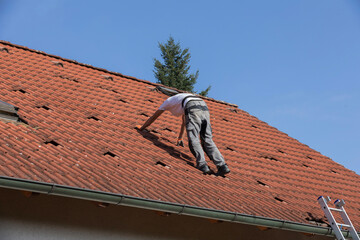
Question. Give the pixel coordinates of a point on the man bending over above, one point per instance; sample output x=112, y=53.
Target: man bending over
x=196, y=118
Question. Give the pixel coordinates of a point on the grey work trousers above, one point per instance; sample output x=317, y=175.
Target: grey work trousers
x=197, y=119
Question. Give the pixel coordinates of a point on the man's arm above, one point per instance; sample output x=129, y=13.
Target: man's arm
x=181, y=134
x=182, y=128
x=150, y=120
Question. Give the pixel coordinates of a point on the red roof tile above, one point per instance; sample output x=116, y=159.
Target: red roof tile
x=81, y=133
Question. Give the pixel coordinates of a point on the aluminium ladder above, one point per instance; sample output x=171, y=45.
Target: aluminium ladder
x=334, y=225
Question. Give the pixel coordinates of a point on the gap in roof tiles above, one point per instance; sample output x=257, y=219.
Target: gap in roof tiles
x=233, y=110
x=144, y=114
x=107, y=77
x=279, y=199
x=254, y=126
x=57, y=63
x=160, y=163
x=22, y=120
x=122, y=100
x=271, y=158
x=108, y=153
x=68, y=78
x=20, y=90
x=168, y=129
x=230, y=149
x=262, y=184
x=52, y=142
x=44, y=107
x=94, y=118
x=4, y=49
x=150, y=100
x=312, y=218
x=226, y=120
x=305, y=165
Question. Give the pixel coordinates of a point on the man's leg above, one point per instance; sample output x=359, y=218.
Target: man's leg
x=195, y=147
x=209, y=146
x=193, y=127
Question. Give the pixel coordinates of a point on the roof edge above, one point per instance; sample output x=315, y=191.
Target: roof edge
x=105, y=70
x=124, y=200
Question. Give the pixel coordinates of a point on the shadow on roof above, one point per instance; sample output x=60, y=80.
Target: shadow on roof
x=170, y=149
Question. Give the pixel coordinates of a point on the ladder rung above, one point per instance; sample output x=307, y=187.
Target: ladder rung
x=335, y=209
x=343, y=225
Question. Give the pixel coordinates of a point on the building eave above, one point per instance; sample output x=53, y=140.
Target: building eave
x=123, y=200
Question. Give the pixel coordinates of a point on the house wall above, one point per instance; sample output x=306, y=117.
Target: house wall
x=50, y=217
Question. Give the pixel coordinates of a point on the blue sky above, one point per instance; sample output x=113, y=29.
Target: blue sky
x=293, y=64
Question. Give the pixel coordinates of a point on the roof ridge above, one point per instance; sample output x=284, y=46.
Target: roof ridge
x=105, y=70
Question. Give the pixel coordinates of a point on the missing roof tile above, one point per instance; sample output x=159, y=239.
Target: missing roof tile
x=262, y=183
x=144, y=114
x=168, y=129
x=234, y=110
x=108, y=77
x=52, y=142
x=57, y=63
x=44, y=107
x=20, y=90
x=304, y=165
x=94, y=118
x=280, y=151
x=20, y=119
x=309, y=157
x=153, y=89
x=271, y=158
x=68, y=78
x=4, y=49
x=160, y=163
x=122, y=100
x=230, y=149
x=279, y=199
x=312, y=218
x=254, y=126
x=333, y=171
x=108, y=89
x=226, y=120
x=108, y=153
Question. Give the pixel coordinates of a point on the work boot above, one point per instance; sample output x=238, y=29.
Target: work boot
x=204, y=168
x=222, y=170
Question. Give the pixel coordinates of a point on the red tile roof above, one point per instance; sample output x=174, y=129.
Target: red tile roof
x=81, y=133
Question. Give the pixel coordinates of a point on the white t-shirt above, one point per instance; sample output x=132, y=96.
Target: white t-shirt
x=174, y=103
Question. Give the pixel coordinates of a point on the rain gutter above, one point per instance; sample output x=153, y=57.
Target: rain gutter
x=123, y=200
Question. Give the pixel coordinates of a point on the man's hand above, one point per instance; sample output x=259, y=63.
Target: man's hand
x=180, y=143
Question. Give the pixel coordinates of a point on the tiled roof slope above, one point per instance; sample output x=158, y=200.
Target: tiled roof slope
x=80, y=133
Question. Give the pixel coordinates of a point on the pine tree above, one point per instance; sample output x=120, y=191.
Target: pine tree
x=175, y=70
